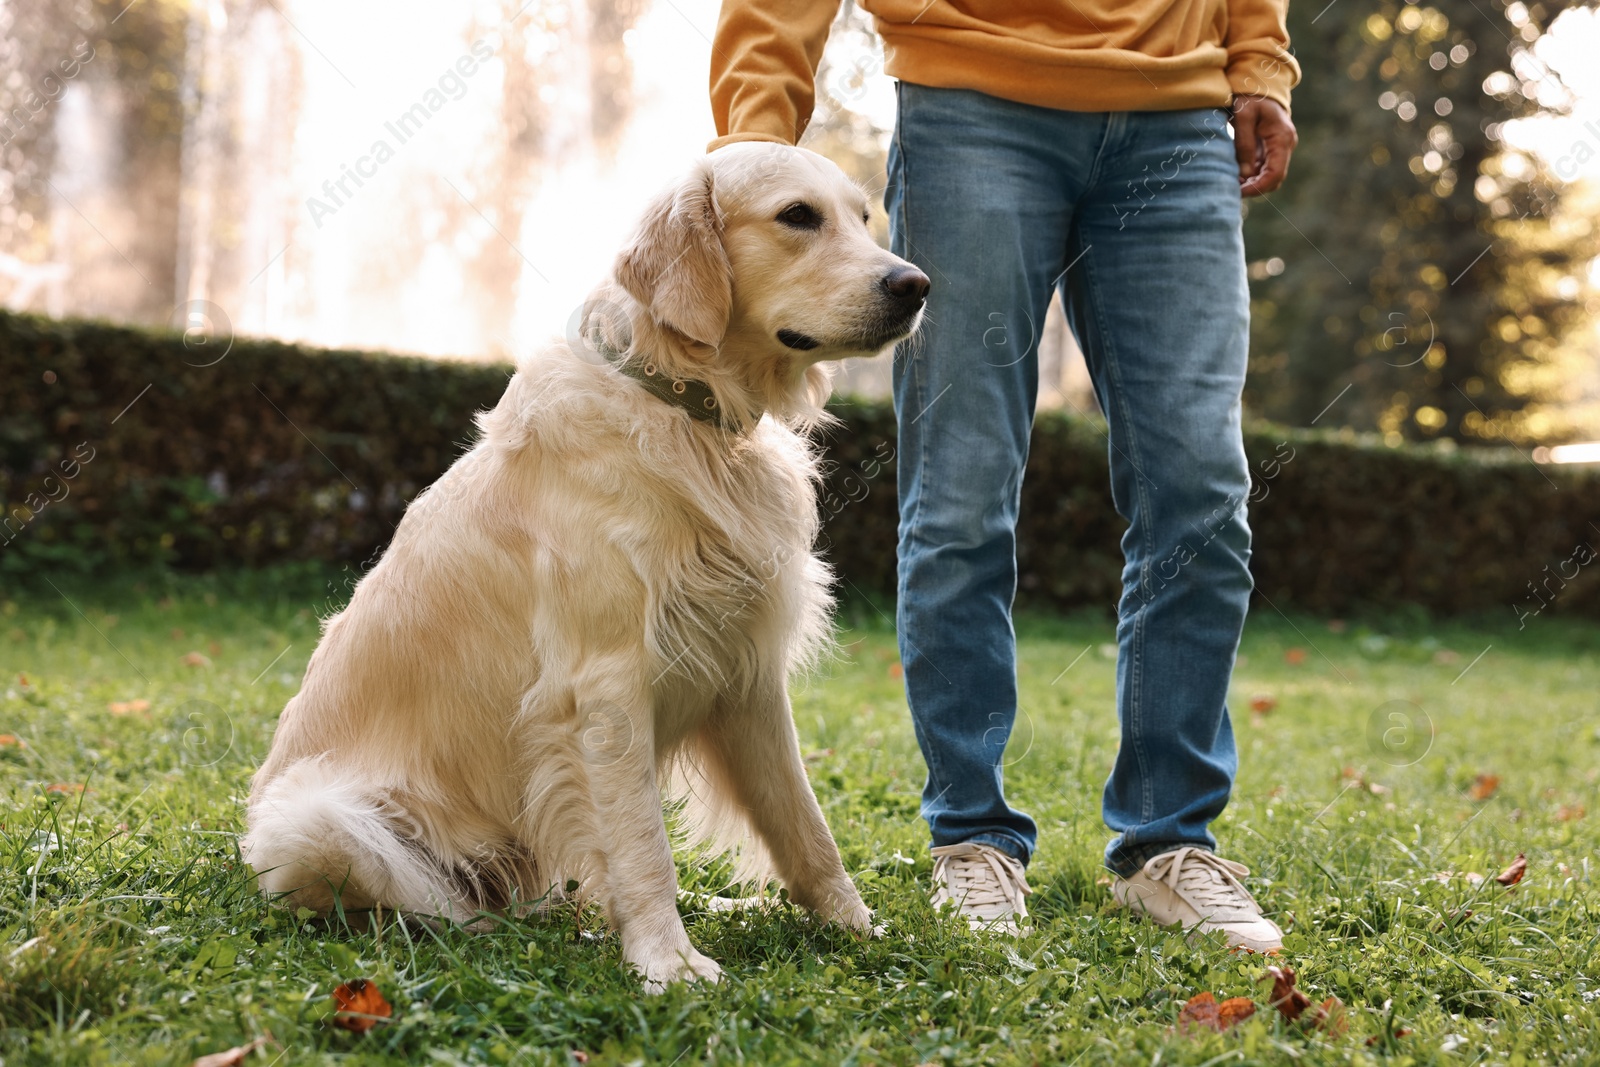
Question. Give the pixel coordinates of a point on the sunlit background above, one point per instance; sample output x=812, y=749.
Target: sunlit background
x=451, y=179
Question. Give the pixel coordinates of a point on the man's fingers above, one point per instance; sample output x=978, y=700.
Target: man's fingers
x=1275, y=169
x=1244, y=142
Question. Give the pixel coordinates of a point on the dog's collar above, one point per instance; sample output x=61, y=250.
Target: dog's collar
x=690, y=394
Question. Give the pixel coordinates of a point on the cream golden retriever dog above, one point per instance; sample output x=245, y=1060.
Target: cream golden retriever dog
x=610, y=591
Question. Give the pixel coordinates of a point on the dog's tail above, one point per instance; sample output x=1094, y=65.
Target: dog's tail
x=320, y=840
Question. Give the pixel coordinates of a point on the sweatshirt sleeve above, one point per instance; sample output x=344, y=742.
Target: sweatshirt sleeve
x=1259, y=63
x=764, y=66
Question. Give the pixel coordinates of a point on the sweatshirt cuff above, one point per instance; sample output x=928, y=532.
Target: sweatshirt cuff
x=1271, y=76
x=753, y=135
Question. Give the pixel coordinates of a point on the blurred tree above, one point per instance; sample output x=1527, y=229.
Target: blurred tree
x=1416, y=274
x=610, y=69
x=42, y=46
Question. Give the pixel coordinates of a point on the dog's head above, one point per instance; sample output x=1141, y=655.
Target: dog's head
x=758, y=265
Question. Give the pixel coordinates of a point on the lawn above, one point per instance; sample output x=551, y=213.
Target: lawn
x=129, y=934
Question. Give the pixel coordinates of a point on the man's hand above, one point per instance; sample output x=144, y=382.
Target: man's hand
x=1263, y=140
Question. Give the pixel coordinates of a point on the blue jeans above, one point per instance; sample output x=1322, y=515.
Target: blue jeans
x=1136, y=217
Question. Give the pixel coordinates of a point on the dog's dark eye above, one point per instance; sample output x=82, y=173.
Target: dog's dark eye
x=866, y=216
x=801, y=217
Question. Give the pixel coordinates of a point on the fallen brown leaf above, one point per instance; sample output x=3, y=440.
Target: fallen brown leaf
x=123, y=707
x=196, y=659
x=361, y=1006
x=1292, y=1004
x=1294, y=657
x=1350, y=774
x=64, y=787
x=1331, y=1018
x=1235, y=1010
x=1375, y=1038
x=1570, y=812
x=12, y=741
x=1202, y=1012
x=1262, y=703
x=1513, y=874
x=1484, y=786
x=232, y=1057
x=896, y=671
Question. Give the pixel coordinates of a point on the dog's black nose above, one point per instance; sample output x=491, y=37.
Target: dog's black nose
x=907, y=285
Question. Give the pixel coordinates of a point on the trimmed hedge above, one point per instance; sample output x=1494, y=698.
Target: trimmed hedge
x=134, y=449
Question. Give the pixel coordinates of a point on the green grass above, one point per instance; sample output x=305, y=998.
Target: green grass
x=129, y=934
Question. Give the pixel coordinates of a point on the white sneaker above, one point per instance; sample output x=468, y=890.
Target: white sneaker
x=983, y=883
x=1202, y=891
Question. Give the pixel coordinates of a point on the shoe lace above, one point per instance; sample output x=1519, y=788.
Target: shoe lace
x=1208, y=882
x=980, y=876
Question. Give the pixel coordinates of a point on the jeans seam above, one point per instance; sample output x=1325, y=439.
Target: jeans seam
x=1136, y=642
x=917, y=389
x=1100, y=152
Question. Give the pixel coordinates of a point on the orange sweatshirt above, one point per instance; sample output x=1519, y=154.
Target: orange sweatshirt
x=1076, y=55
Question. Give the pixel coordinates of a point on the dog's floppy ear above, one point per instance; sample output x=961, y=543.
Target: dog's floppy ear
x=675, y=265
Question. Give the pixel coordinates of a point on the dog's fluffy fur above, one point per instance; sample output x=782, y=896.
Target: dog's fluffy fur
x=601, y=593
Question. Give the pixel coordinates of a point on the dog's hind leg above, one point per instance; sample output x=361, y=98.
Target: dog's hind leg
x=324, y=840
x=751, y=751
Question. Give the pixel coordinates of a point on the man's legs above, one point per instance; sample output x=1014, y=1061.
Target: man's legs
x=1160, y=306
x=980, y=199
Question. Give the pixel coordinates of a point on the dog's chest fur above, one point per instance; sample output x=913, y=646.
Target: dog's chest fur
x=741, y=587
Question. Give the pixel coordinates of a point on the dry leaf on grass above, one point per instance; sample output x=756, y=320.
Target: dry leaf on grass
x=122, y=707
x=64, y=788
x=896, y=671
x=1295, y=656
x=1350, y=774
x=1570, y=812
x=1295, y=1006
x=361, y=1006
x=233, y=1056
x=1484, y=786
x=1402, y=1032
x=1262, y=703
x=196, y=659
x=12, y=741
x=1202, y=1012
x=1235, y=1010
x=1513, y=874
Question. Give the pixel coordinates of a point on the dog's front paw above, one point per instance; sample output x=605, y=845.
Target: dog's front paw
x=662, y=969
x=855, y=915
